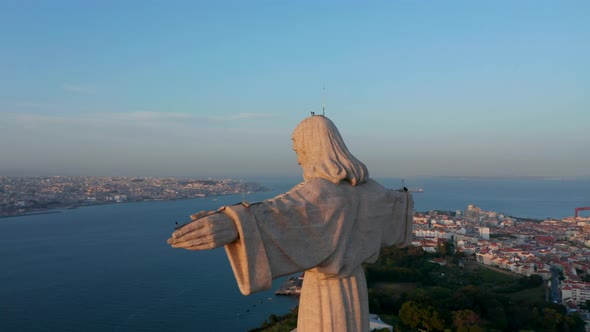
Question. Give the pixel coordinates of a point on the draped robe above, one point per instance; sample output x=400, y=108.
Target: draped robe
x=327, y=230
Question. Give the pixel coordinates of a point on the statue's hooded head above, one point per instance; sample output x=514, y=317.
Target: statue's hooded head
x=322, y=153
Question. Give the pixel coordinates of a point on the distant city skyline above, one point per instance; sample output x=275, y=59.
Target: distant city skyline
x=215, y=89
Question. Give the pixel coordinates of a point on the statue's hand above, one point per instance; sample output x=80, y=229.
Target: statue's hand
x=208, y=232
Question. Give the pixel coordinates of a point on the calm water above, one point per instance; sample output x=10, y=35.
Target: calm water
x=532, y=198
x=108, y=268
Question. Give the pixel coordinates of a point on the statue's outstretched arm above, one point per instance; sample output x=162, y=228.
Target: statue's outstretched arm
x=205, y=232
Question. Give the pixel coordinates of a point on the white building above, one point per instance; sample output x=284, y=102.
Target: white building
x=484, y=233
x=578, y=292
x=485, y=259
x=375, y=323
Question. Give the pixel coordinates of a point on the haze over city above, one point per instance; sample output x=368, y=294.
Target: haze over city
x=458, y=88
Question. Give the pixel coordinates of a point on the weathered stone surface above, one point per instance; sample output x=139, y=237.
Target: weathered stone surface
x=327, y=226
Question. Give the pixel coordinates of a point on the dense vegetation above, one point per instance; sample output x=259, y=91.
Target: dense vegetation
x=276, y=323
x=461, y=296
x=411, y=292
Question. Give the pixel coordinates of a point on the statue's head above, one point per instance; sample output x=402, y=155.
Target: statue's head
x=321, y=152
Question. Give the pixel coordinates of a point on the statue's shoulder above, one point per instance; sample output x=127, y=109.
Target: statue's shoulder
x=322, y=187
x=377, y=188
x=372, y=185
x=319, y=184
x=308, y=185
x=316, y=182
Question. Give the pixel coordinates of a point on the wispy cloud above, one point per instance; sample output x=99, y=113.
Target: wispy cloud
x=241, y=116
x=125, y=119
x=146, y=116
x=136, y=119
x=78, y=88
x=33, y=105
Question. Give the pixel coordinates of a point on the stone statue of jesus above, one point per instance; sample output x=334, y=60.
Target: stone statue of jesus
x=328, y=226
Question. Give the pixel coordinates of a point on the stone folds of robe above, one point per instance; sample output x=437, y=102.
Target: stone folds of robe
x=328, y=230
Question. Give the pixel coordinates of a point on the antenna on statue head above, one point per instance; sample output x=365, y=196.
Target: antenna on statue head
x=324, y=100
x=244, y=201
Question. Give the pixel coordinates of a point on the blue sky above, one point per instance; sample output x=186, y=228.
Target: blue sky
x=195, y=88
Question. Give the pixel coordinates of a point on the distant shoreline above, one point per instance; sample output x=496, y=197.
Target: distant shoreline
x=31, y=213
x=21, y=196
x=71, y=207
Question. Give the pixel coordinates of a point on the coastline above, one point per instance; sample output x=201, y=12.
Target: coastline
x=31, y=213
x=59, y=209
x=20, y=196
